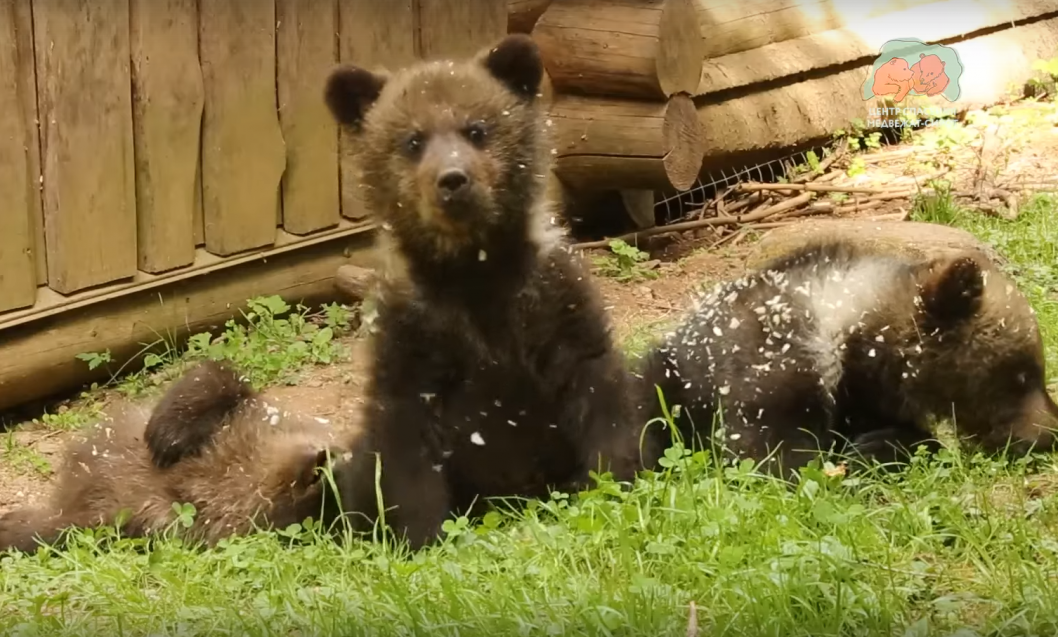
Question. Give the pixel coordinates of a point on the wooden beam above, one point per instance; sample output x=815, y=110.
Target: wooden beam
x=614, y=144
x=39, y=357
x=647, y=49
x=523, y=14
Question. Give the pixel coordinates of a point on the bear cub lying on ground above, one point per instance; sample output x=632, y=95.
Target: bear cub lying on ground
x=835, y=344
x=211, y=442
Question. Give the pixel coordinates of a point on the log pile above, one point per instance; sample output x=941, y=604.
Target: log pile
x=979, y=173
x=622, y=72
x=763, y=77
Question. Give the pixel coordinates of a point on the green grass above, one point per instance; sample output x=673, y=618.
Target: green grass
x=956, y=545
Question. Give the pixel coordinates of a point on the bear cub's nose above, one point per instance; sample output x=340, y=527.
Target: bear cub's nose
x=452, y=181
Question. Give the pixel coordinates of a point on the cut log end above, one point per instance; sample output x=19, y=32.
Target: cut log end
x=639, y=204
x=649, y=49
x=354, y=281
x=523, y=14
x=613, y=144
x=684, y=142
x=681, y=48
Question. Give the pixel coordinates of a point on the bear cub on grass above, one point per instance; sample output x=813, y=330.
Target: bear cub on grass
x=834, y=344
x=494, y=370
x=211, y=442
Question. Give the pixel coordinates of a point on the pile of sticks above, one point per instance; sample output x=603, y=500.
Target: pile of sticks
x=968, y=171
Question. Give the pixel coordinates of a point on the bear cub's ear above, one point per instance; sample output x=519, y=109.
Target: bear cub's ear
x=311, y=463
x=953, y=289
x=516, y=62
x=350, y=93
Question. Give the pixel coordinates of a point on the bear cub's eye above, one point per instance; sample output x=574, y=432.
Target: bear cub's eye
x=476, y=132
x=413, y=144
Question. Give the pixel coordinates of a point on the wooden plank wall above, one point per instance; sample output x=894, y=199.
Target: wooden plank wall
x=143, y=136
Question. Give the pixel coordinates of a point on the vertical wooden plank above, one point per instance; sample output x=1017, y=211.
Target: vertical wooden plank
x=167, y=116
x=85, y=104
x=373, y=34
x=18, y=275
x=243, y=154
x=23, y=15
x=307, y=51
x=460, y=28
x=199, y=230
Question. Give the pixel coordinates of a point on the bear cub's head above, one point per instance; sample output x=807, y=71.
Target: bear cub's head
x=985, y=356
x=448, y=151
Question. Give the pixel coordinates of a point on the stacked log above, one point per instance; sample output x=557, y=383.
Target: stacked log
x=764, y=76
x=622, y=72
x=523, y=14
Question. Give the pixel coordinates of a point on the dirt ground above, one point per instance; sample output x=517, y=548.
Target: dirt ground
x=1029, y=154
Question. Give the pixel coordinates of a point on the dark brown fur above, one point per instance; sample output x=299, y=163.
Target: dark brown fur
x=191, y=412
x=256, y=466
x=494, y=369
x=835, y=343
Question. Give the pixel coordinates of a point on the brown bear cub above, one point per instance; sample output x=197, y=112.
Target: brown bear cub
x=211, y=442
x=494, y=371
x=833, y=345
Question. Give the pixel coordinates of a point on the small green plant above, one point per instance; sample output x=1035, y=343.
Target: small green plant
x=937, y=207
x=856, y=167
x=1047, y=84
x=275, y=341
x=270, y=344
x=811, y=166
x=625, y=263
x=858, y=137
x=70, y=418
x=95, y=359
x=946, y=135
x=24, y=458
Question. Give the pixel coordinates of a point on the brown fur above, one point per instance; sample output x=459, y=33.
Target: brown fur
x=834, y=343
x=259, y=468
x=494, y=372
x=189, y=414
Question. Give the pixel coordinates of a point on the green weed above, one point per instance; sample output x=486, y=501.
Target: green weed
x=625, y=263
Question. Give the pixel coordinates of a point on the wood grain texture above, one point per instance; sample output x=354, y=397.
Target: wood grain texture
x=167, y=117
x=82, y=55
x=18, y=275
x=646, y=49
x=199, y=221
x=861, y=40
x=243, y=154
x=307, y=52
x=374, y=35
x=523, y=14
x=459, y=28
x=39, y=361
x=23, y=15
x=611, y=144
x=730, y=26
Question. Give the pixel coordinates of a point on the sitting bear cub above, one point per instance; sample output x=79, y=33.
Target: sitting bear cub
x=494, y=371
